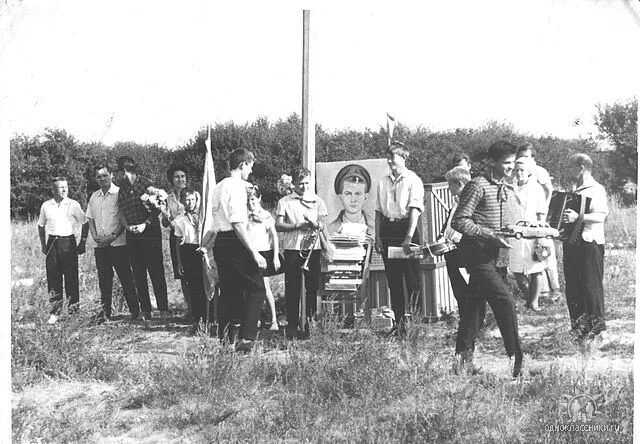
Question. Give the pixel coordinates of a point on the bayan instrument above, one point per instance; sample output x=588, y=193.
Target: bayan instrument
x=561, y=201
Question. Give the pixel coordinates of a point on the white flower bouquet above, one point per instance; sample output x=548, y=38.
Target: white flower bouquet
x=154, y=198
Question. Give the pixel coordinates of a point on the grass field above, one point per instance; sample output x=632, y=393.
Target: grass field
x=127, y=382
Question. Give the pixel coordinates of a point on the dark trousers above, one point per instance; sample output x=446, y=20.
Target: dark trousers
x=241, y=286
x=583, y=274
x=107, y=260
x=392, y=234
x=193, y=274
x=145, y=254
x=62, y=261
x=486, y=285
x=459, y=285
x=293, y=283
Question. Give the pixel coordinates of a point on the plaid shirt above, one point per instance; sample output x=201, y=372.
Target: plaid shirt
x=130, y=204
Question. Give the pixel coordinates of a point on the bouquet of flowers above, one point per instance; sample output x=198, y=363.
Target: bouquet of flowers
x=285, y=185
x=154, y=198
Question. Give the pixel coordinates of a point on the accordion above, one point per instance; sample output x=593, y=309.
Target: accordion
x=561, y=201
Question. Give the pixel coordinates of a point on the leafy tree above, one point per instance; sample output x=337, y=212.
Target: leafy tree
x=618, y=123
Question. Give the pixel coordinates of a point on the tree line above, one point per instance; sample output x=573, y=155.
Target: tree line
x=277, y=146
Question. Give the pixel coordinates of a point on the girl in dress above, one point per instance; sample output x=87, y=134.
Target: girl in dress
x=262, y=232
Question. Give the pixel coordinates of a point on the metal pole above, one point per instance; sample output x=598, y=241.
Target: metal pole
x=308, y=127
x=308, y=144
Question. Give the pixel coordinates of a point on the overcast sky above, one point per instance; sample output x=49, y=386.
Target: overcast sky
x=154, y=71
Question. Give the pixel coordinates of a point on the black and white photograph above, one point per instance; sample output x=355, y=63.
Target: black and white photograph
x=263, y=222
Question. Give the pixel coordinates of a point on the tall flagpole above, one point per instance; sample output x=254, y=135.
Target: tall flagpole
x=308, y=127
x=308, y=144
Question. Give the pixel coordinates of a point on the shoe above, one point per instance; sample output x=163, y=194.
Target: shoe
x=52, y=319
x=274, y=326
x=517, y=365
x=244, y=346
x=554, y=296
x=463, y=364
x=535, y=308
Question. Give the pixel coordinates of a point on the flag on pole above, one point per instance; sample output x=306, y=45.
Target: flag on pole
x=391, y=124
x=206, y=220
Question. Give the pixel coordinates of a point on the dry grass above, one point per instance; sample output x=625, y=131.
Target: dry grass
x=124, y=382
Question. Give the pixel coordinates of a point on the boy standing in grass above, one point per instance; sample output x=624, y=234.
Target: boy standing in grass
x=239, y=262
x=478, y=216
x=584, y=258
x=400, y=202
x=297, y=214
x=58, y=223
x=189, y=253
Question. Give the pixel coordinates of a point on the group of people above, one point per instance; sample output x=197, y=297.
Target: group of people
x=515, y=189
x=246, y=246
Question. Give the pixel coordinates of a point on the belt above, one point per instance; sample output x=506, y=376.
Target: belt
x=391, y=219
x=52, y=236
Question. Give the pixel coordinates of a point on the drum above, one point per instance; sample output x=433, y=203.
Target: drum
x=439, y=247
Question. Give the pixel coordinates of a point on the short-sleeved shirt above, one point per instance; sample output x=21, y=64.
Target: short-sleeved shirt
x=229, y=203
x=397, y=195
x=541, y=175
x=296, y=210
x=61, y=219
x=259, y=229
x=103, y=209
x=130, y=204
x=186, y=227
x=594, y=231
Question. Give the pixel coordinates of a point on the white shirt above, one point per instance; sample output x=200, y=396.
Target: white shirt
x=186, y=229
x=103, y=209
x=61, y=219
x=541, y=175
x=229, y=203
x=594, y=231
x=296, y=210
x=259, y=230
x=396, y=196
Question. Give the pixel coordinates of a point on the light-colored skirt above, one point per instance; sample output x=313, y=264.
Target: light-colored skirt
x=521, y=256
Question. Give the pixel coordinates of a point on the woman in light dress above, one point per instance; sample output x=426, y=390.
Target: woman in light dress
x=529, y=204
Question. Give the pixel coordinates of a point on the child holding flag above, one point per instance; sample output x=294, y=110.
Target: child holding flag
x=189, y=253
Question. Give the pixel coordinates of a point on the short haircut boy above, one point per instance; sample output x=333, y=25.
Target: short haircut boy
x=500, y=150
x=240, y=156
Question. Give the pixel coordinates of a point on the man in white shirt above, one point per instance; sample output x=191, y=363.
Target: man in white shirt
x=584, y=258
x=111, y=245
x=400, y=202
x=239, y=263
x=58, y=223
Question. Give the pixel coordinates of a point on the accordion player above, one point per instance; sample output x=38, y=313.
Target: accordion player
x=561, y=201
